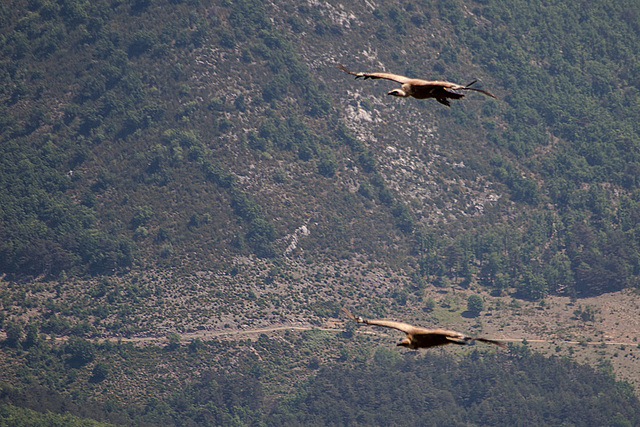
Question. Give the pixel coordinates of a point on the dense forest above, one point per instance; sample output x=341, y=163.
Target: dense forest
x=519, y=388
x=170, y=166
x=473, y=391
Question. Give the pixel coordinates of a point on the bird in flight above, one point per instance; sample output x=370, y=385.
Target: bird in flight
x=418, y=337
x=442, y=91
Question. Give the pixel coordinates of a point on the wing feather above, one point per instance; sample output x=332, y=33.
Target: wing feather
x=456, y=336
x=349, y=314
x=380, y=75
x=455, y=86
x=486, y=92
x=404, y=327
x=443, y=332
x=488, y=341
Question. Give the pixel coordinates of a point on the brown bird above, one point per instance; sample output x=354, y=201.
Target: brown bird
x=418, y=337
x=418, y=88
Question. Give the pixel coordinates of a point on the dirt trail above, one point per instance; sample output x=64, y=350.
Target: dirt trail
x=209, y=334
x=231, y=333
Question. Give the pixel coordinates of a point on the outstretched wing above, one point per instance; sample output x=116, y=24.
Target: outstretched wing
x=455, y=86
x=388, y=76
x=488, y=341
x=478, y=90
x=455, y=337
x=443, y=332
x=460, y=337
x=404, y=327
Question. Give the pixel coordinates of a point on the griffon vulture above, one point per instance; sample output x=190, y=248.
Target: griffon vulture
x=418, y=337
x=420, y=89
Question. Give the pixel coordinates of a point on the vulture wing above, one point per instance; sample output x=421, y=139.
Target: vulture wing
x=488, y=341
x=455, y=86
x=404, y=327
x=457, y=337
x=388, y=76
x=477, y=90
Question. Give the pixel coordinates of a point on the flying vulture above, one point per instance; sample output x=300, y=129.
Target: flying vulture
x=418, y=337
x=420, y=89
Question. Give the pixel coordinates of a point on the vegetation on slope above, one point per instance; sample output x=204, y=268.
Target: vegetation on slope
x=477, y=390
x=123, y=159
x=183, y=144
x=197, y=136
x=255, y=382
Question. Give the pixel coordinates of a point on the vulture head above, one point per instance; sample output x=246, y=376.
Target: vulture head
x=398, y=92
x=405, y=342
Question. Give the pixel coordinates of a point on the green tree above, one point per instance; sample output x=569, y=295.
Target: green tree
x=100, y=372
x=14, y=333
x=327, y=164
x=80, y=351
x=475, y=303
x=174, y=340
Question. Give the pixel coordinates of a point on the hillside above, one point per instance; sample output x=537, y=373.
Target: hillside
x=115, y=160
x=172, y=166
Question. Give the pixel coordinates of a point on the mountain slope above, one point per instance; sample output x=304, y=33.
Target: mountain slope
x=251, y=132
x=172, y=166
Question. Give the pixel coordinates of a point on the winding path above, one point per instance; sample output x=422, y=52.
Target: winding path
x=230, y=333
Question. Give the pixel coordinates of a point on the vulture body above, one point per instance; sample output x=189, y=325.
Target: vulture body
x=418, y=337
x=442, y=91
